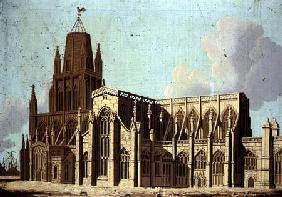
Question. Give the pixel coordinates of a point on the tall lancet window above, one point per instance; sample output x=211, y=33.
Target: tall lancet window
x=225, y=117
x=75, y=98
x=68, y=98
x=124, y=164
x=193, y=119
x=218, y=168
x=210, y=114
x=104, y=128
x=60, y=98
x=278, y=168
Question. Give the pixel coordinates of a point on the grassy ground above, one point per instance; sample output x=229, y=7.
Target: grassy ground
x=33, y=188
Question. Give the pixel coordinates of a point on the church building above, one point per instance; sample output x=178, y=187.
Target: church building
x=98, y=136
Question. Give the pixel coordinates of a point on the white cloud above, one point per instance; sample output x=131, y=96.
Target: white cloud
x=243, y=59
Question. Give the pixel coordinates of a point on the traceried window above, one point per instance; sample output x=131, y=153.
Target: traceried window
x=218, y=168
x=250, y=161
x=104, y=128
x=182, y=168
x=200, y=161
x=70, y=132
x=167, y=168
x=278, y=168
x=124, y=164
x=193, y=116
x=68, y=99
x=179, y=119
x=205, y=133
x=145, y=163
x=75, y=98
x=60, y=97
x=221, y=135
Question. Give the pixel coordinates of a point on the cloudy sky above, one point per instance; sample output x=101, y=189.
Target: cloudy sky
x=153, y=48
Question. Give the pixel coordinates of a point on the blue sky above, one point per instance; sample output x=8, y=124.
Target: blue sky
x=166, y=34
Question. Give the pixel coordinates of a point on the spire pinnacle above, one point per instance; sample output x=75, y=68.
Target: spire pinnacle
x=33, y=96
x=57, y=52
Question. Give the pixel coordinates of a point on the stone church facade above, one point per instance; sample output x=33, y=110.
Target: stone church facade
x=95, y=135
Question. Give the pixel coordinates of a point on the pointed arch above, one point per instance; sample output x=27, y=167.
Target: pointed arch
x=195, y=115
x=218, y=168
x=182, y=169
x=200, y=160
x=104, y=135
x=224, y=121
x=124, y=164
x=251, y=182
x=75, y=97
x=205, y=133
x=68, y=97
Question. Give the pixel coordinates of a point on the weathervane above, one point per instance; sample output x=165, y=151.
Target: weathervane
x=80, y=10
x=78, y=25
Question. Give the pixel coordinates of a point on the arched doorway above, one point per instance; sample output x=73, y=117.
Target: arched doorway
x=251, y=182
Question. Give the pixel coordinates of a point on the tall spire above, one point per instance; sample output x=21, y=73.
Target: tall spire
x=33, y=101
x=99, y=61
x=57, y=61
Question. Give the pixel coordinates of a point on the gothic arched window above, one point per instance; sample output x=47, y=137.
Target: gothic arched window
x=124, y=164
x=250, y=161
x=278, y=168
x=104, y=128
x=193, y=116
x=206, y=128
x=200, y=160
x=167, y=168
x=68, y=99
x=75, y=98
x=217, y=168
x=179, y=119
x=225, y=123
x=182, y=168
x=60, y=97
x=70, y=132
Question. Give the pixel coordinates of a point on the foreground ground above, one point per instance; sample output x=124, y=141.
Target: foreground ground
x=33, y=188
